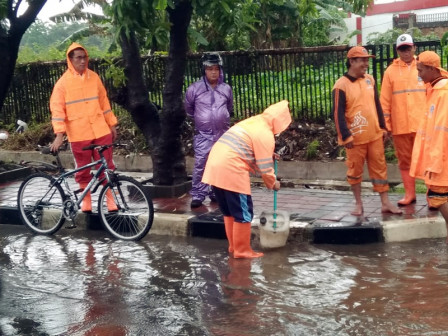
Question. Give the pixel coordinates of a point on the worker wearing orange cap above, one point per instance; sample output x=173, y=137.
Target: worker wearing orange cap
x=80, y=108
x=247, y=147
x=361, y=127
x=403, y=96
x=429, y=156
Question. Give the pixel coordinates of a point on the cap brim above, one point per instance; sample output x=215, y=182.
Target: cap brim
x=364, y=56
x=405, y=44
x=443, y=72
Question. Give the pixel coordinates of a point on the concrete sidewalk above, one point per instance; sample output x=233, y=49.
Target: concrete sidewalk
x=319, y=216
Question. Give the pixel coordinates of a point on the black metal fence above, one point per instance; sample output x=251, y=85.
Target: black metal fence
x=304, y=76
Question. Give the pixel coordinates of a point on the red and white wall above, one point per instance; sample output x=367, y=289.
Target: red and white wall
x=379, y=17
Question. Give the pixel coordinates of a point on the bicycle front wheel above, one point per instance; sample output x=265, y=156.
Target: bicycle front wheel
x=126, y=209
x=40, y=201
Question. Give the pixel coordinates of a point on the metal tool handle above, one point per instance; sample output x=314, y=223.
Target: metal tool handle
x=275, y=196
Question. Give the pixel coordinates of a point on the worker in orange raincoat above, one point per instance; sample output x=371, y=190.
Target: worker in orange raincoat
x=361, y=128
x=403, y=96
x=429, y=156
x=247, y=147
x=81, y=110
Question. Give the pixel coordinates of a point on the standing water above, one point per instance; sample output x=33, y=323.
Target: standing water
x=83, y=283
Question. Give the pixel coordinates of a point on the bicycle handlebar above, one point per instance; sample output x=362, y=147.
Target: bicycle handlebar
x=46, y=150
x=102, y=148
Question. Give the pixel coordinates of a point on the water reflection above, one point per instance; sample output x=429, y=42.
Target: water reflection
x=105, y=313
x=239, y=301
x=92, y=285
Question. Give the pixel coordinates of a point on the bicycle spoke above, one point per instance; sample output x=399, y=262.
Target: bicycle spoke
x=126, y=209
x=40, y=202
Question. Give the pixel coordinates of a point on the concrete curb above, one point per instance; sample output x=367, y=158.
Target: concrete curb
x=410, y=229
x=170, y=224
x=208, y=227
x=301, y=170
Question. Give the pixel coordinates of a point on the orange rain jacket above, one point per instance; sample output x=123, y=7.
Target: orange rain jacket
x=246, y=148
x=79, y=104
x=403, y=97
x=357, y=110
x=429, y=156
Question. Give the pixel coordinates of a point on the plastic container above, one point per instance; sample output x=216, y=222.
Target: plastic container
x=274, y=232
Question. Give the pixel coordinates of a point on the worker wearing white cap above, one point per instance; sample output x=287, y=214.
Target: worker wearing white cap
x=403, y=95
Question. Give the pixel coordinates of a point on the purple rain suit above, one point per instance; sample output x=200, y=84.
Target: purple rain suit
x=210, y=109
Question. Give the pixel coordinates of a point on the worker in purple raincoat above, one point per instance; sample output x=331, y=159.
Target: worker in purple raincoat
x=209, y=102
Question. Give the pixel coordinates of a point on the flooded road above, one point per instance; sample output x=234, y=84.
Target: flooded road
x=88, y=284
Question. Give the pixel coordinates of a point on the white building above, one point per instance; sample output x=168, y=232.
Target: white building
x=379, y=16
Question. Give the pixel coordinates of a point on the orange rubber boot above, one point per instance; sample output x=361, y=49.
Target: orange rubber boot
x=241, y=241
x=409, y=188
x=86, y=205
x=111, y=206
x=228, y=223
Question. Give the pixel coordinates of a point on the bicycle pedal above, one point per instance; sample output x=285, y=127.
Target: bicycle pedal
x=71, y=226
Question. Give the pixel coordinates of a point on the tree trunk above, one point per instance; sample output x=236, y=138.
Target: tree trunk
x=169, y=159
x=134, y=96
x=10, y=37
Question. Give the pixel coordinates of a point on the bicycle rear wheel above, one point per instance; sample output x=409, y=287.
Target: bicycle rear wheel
x=40, y=202
x=126, y=209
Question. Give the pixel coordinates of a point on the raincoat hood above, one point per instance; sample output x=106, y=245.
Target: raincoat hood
x=278, y=116
x=72, y=47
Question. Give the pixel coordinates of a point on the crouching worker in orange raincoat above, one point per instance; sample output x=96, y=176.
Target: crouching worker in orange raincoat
x=80, y=108
x=247, y=147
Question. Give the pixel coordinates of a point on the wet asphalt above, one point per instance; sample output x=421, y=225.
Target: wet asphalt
x=86, y=283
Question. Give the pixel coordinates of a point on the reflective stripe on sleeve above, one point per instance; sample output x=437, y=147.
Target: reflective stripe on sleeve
x=81, y=100
x=406, y=91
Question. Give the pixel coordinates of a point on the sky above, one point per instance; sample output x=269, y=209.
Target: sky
x=53, y=7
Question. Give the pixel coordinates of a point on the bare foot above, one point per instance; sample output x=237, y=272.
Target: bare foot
x=248, y=255
x=359, y=211
x=389, y=208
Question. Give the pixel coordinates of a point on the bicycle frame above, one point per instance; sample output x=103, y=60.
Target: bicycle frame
x=103, y=167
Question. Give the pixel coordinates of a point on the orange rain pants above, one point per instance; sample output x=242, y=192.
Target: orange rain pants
x=373, y=152
x=403, y=144
x=84, y=157
x=436, y=196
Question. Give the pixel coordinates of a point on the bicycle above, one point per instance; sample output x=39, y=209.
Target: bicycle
x=44, y=204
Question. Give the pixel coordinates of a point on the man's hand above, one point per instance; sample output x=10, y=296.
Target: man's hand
x=57, y=142
x=276, y=185
x=113, y=131
x=275, y=157
x=349, y=145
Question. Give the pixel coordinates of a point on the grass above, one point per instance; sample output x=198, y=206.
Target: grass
x=311, y=149
x=420, y=188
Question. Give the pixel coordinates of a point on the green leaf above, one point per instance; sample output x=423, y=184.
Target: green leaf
x=226, y=7
x=160, y=4
x=444, y=39
x=197, y=36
